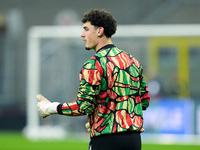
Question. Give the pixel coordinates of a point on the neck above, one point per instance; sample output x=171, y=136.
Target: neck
x=102, y=43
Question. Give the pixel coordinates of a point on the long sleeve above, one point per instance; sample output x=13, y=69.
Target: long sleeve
x=88, y=90
x=144, y=93
x=69, y=109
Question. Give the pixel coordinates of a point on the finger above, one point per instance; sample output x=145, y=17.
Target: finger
x=42, y=114
x=87, y=125
x=89, y=130
x=39, y=97
x=38, y=106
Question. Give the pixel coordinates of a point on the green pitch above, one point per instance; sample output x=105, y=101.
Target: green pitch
x=16, y=141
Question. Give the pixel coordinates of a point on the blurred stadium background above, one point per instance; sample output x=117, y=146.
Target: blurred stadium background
x=171, y=64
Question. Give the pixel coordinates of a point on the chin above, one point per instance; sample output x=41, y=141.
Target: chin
x=87, y=48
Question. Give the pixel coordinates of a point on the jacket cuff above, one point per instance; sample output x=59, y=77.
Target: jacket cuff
x=59, y=109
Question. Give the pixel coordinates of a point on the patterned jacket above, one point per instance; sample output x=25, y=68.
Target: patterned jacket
x=112, y=93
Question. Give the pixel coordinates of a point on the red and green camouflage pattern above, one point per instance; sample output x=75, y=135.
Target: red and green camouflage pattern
x=112, y=93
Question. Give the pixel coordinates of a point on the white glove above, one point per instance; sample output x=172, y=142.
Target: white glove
x=87, y=125
x=45, y=107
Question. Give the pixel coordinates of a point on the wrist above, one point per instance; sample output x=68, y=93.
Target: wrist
x=52, y=108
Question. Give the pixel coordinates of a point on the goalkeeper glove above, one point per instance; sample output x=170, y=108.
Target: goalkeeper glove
x=45, y=107
x=87, y=125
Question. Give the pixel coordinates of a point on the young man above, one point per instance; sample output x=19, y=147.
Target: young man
x=112, y=89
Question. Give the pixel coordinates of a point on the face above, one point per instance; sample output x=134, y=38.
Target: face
x=90, y=36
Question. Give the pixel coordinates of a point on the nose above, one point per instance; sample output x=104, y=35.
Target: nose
x=82, y=34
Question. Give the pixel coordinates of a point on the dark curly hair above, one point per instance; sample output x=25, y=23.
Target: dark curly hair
x=101, y=18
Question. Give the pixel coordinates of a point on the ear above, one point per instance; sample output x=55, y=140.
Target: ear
x=100, y=31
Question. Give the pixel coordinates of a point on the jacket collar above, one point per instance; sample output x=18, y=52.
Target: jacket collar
x=106, y=47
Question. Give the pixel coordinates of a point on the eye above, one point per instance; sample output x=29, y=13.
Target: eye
x=86, y=28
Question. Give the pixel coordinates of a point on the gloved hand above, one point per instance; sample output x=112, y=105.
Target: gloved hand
x=87, y=125
x=45, y=107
